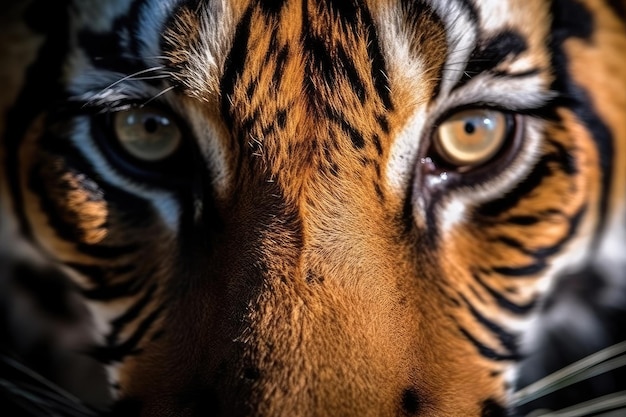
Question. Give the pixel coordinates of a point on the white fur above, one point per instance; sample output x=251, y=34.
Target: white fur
x=403, y=156
x=494, y=14
x=461, y=37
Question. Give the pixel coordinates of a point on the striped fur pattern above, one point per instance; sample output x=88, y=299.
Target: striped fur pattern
x=306, y=252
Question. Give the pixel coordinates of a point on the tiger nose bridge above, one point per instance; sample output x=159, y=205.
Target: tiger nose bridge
x=323, y=322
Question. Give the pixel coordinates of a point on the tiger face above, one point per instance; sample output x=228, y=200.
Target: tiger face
x=319, y=207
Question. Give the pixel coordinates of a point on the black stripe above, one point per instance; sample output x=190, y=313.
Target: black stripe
x=235, y=64
x=486, y=351
x=99, y=275
x=511, y=199
x=111, y=292
x=319, y=61
x=523, y=220
x=281, y=118
x=272, y=7
x=522, y=271
x=378, y=70
x=495, y=51
x=281, y=61
x=503, y=302
x=355, y=136
x=573, y=19
x=541, y=254
x=547, y=251
x=114, y=288
x=272, y=49
x=117, y=353
x=379, y=148
x=331, y=61
x=383, y=123
x=347, y=10
x=131, y=314
x=351, y=74
x=507, y=340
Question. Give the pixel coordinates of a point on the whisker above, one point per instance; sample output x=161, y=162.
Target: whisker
x=168, y=89
x=595, y=364
x=32, y=391
x=153, y=77
x=133, y=75
x=611, y=402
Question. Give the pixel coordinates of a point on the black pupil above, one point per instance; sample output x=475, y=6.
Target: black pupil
x=151, y=124
x=470, y=128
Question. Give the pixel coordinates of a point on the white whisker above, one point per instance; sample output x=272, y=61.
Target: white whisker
x=153, y=77
x=133, y=75
x=595, y=364
x=607, y=403
x=168, y=89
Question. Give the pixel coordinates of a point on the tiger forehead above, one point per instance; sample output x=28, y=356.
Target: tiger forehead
x=303, y=86
x=204, y=42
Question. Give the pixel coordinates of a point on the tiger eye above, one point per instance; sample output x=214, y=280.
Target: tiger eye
x=147, y=134
x=471, y=137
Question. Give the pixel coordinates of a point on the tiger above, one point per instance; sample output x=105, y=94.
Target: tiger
x=310, y=207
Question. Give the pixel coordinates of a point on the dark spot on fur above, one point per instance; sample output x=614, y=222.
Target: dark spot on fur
x=491, y=408
x=410, y=401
